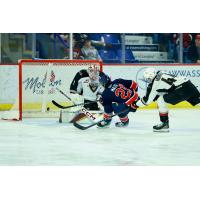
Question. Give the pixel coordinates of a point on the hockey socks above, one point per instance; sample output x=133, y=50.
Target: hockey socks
x=123, y=122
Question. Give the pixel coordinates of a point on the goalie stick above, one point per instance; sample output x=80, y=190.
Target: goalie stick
x=93, y=118
x=65, y=107
x=65, y=95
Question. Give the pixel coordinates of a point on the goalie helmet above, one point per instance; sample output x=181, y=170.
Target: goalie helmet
x=93, y=72
x=149, y=74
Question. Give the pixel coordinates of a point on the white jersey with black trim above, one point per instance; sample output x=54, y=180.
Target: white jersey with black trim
x=89, y=93
x=160, y=85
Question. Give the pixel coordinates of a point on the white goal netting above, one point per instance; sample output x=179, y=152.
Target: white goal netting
x=27, y=89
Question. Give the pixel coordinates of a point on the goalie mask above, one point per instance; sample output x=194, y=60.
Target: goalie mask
x=93, y=72
x=149, y=74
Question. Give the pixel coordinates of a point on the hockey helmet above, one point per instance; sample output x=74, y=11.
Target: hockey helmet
x=104, y=80
x=149, y=74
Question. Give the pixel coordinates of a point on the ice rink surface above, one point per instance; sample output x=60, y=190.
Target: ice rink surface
x=46, y=142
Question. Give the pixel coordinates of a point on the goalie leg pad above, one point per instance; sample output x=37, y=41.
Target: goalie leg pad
x=78, y=117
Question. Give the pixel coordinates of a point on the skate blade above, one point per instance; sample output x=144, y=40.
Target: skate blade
x=121, y=126
x=105, y=127
x=161, y=131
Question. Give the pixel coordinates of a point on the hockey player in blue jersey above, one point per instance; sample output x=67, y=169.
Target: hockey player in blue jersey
x=119, y=96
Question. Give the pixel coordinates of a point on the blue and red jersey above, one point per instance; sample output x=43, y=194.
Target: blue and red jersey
x=120, y=91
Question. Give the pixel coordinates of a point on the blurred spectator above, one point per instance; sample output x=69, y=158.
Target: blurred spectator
x=191, y=48
x=98, y=43
x=163, y=41
x=81, y=37
x=77, y=54
x=187, y=47
x=172, y=53
x=197, y=44
x=64, y=36
x=80, y=42
x=187, y=40
x=89, y=52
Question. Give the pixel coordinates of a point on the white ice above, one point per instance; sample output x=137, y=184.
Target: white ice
x=46, y=142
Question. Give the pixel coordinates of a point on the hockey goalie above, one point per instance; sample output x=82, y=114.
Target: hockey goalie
x=85, y=89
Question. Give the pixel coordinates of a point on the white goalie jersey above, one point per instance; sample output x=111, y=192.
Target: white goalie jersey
x=88, y=89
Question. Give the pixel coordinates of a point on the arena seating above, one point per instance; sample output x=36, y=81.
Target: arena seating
x=109, y=56
x=95, y=36
x=113, y=39
x=129, y=57
x=138, y=44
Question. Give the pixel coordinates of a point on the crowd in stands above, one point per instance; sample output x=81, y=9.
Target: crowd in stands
x=138, y=48
x=106, y=47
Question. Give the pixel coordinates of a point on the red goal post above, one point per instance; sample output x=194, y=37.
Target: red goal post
x=39, y=78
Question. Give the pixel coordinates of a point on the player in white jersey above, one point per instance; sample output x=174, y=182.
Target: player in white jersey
x=166, y=88
x=85, y=88
x=86, y=83
x=90, y=89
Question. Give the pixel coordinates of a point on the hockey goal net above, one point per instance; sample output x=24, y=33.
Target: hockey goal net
x=30, y=87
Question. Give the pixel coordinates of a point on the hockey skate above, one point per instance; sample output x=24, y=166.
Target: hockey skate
x=122, y=124
x=162, y=127
x=104, y=124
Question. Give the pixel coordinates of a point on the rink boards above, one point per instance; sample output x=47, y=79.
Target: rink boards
x=135, y=72
x=9, y=81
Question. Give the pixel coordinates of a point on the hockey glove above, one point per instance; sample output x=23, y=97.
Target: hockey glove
x=100, y=99
x=133, y=107
x=132, y=102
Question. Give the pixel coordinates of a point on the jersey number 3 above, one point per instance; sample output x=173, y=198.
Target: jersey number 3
x=123, y=92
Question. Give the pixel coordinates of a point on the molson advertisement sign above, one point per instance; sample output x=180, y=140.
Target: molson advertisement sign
x=37, y=84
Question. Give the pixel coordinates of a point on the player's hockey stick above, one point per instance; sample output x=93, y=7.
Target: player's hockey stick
x=93, y=118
